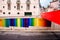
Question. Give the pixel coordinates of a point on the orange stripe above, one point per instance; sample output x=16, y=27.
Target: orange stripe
x=1, y=23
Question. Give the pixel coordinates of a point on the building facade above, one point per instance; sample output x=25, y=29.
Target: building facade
x=19, y=7
x=24, y=13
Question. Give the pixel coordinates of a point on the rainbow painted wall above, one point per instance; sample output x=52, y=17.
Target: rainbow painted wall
x=24, y=22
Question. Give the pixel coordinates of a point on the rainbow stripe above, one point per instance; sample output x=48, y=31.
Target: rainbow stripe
x=25, y=22
x=18, y=22
x=7, y=22
x=1, y=22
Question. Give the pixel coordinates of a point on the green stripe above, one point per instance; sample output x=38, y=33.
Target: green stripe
x=32, y=21
x=16, y=22
x=7, y=22
x=20, y=22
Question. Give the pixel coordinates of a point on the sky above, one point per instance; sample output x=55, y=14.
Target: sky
x=45, y=3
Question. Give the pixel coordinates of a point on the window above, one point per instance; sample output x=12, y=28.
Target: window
x=18, y=0
x=59, y=4
x=9, y=13
x=2, y=0
x=9, y=4
x=18, y=13
x=34, y=6
x=3, y=12
x=8, y=1
x=3, y=6
x=28, y=13
x=18, y=4
x=28, y=4
x=21, y=6
x=14, y=6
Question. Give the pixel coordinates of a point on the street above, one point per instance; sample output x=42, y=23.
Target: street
x=30, y=36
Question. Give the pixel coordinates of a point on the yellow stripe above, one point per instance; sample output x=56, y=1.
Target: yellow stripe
x=4, y=22
x=36, y=22
x=41, y=22
x=18, y=22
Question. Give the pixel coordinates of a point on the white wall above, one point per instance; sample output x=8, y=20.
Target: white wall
x=35, y=11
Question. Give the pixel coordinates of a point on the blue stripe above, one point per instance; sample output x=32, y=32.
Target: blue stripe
x=15, y=23
x=22, y=22
x=11, y=22
x=29, y=21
